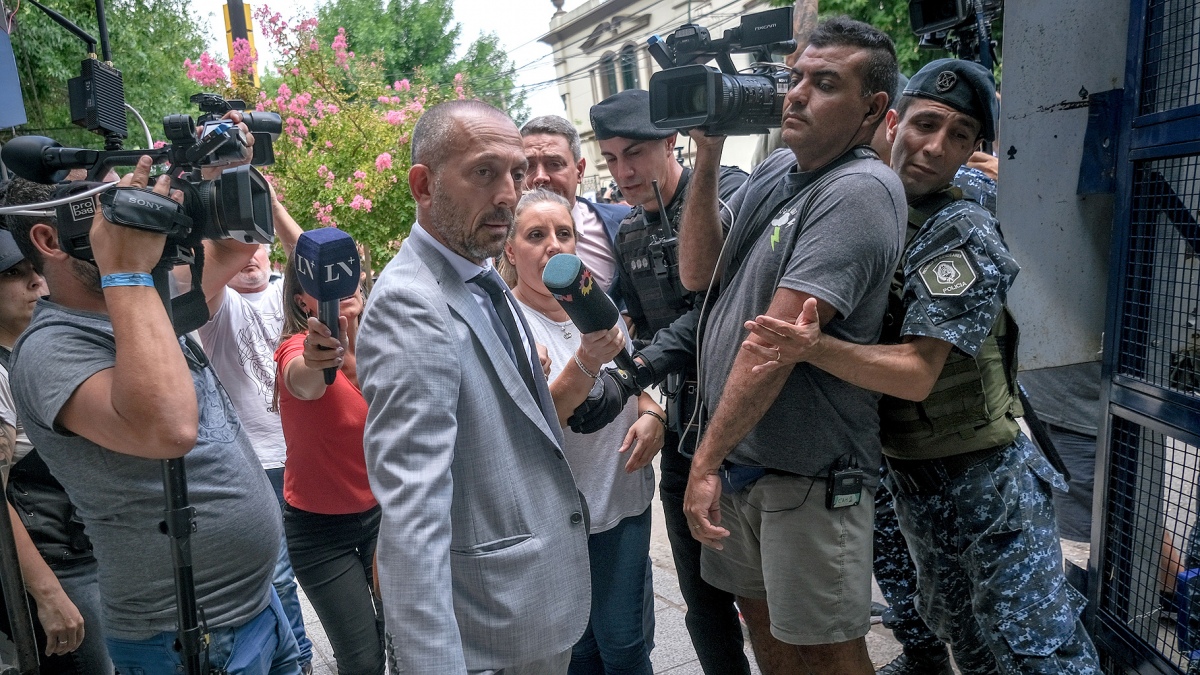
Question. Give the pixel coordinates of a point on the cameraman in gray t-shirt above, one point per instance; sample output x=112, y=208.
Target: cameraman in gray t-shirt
x=780, y=489
x=105, y=389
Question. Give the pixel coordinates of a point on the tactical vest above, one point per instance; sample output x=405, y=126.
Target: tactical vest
x=649, y=248
x=974, y=403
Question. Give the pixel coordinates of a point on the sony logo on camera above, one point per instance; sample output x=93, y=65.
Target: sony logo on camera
x=133, y=199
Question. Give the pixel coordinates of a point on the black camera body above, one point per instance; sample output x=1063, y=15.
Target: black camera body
x=234, y=205
x=961, y=27
x=687, y=94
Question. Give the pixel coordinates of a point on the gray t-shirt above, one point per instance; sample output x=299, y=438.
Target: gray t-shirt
x=120, y=497
x=844, y=252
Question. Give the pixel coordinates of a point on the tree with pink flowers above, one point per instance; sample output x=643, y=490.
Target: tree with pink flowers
x=343, y=158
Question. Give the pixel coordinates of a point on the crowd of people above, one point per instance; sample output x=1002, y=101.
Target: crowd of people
x=472, y=490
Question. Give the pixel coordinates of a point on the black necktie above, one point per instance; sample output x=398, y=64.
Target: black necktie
x=491, y=283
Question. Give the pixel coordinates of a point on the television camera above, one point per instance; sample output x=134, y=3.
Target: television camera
x=961, y=27
x=687, y=94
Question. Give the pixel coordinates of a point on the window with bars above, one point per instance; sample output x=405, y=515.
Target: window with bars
x=1160, y=332
x=1171, y=64
x=608, y=76
x=629, y=73
x=1150, y=573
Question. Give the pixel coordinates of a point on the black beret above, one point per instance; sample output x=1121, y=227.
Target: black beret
x=626, y=115
x=963, y=85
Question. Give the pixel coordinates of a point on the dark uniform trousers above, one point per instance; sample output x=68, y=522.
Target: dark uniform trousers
x=990, y=565
x=712, y=620
x=897, y=575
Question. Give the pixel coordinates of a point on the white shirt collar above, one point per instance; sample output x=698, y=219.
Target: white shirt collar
x=466, y=269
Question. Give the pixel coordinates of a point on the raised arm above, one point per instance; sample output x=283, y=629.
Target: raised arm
x=700, y=233
x=145, y=404
x=572, y=385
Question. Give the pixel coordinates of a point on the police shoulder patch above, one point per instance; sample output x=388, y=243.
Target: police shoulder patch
x=948, y=275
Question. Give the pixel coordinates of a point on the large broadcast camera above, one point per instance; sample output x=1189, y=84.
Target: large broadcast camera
x=687, y=94
x=961, y=27
x=234, y=205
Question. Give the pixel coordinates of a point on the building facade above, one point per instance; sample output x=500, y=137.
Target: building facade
x=600, y=49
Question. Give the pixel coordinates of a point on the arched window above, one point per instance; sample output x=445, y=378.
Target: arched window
x=608, y=76
x=629, y=72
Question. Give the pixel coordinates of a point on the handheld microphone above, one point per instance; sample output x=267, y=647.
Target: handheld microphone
x=585, y=302
x=328, y=269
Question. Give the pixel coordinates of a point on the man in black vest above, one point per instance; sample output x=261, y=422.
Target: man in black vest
x=972, y=493
x=665, y=317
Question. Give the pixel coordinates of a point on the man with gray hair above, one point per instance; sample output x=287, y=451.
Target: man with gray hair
x=556, y=162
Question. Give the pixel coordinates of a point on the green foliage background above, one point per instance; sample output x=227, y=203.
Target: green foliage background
x=407, y=35
x=149, y=39
x=890, y=16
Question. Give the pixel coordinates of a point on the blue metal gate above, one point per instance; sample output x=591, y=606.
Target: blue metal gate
x=1147, y=541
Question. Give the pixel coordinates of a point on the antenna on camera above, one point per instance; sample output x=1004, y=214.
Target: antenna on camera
x=63, y=21
x=97, y=96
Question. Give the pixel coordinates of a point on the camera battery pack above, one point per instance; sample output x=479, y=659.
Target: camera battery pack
x=844, y=489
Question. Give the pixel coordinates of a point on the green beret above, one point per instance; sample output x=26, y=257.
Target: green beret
x=963, y=85
x=626, y=115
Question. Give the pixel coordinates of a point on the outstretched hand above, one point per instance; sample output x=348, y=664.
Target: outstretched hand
x=780, y=343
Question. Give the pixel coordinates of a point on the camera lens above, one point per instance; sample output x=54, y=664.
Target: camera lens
x=237, y=205
x=690, y=98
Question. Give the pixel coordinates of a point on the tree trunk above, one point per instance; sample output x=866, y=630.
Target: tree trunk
x=804, y=20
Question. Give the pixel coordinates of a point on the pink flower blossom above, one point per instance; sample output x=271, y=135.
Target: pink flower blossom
x=402, y=85
x=159, y=144
x=458, y=78
x=339, y=200
x=383, y=161
x=206, y=72
x=329, y=144
x=360, y=174
x=244, y=60
x=339, y=49
x=394, y=117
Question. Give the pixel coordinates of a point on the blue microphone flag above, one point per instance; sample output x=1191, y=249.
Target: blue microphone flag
x=327, y=264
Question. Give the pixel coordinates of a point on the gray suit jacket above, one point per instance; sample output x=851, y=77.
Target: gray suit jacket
x=483, y=558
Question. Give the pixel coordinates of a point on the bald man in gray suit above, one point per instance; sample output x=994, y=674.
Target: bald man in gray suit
x=483, y=559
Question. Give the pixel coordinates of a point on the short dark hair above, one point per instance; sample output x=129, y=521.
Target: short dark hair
x=881, y=69
x=433, y=132
x=18, y=192
x=554, y=125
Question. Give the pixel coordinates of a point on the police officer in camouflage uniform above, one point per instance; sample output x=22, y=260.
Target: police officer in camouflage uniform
x=972, y=493
x=665, y=317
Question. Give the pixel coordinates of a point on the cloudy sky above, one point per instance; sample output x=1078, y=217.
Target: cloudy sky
x=518, y=23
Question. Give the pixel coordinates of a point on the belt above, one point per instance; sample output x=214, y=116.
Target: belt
x=923, y=476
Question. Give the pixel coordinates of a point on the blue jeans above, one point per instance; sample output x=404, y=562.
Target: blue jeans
x=263, y=645
x=81, y=582
x=284, y=580
x=616, y=637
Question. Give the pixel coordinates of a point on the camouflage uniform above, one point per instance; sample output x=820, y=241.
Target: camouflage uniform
x=897, y=576
x=893, y=566
x=982, y=533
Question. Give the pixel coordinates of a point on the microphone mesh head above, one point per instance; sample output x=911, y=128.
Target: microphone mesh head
x=562, y=271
